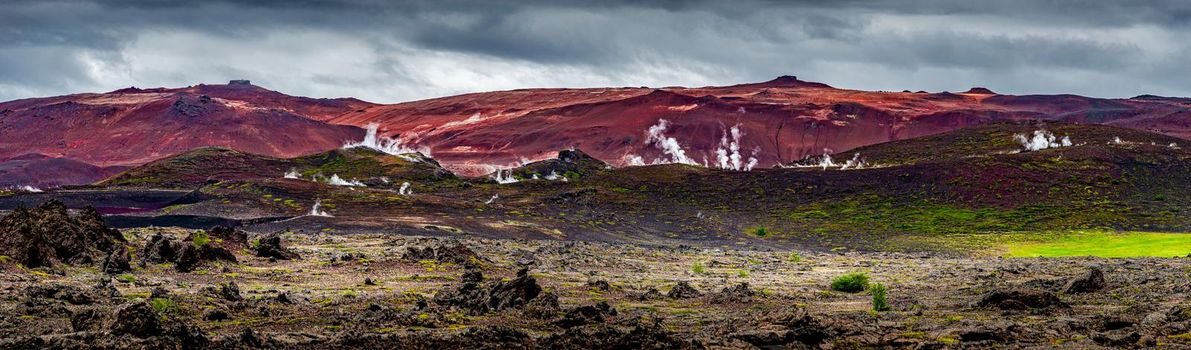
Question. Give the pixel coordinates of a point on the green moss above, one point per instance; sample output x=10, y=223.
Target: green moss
x=201, y=238
x=698, y=267
x=164, y=306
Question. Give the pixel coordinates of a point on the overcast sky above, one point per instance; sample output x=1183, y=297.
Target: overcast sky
x=389, y=51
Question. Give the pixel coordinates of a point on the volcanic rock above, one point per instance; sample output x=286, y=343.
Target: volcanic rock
x=1090, y=281
x=454, y=252
x=136, y=319
x=588, y=314
x=1020, y=299
x=48, y=234
x=683, y=290
x=270, y=247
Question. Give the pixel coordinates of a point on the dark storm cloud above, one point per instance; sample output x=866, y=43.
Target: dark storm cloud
x=390, y=51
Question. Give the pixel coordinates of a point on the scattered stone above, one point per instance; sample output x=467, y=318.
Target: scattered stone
x=136, y=319
x=600, y=285
x=270, y=246
x=1090, y=281
x=479, y=298
x=158, y=250
x=216, y=315
x=1020, y=299
x=454, y=252
x=740, y=293
x=368, y=281
x=88, y=319
x=585, y=315
x=651, y=294
x=70, y=294
x=543, y=307
x=683, y=290
x=116, y=262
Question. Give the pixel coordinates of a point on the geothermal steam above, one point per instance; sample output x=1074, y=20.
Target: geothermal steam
x=316, y=210
x=728, y=155
x=672, y=151
x=404, y=190
x=292, y=174
x=1041, y=140
x=337, y=181
x=396, y=147
x=504, y=176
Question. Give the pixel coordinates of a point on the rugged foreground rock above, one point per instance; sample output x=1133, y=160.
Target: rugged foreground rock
x=383, y=291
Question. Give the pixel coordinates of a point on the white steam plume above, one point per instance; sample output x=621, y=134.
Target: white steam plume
x=1117, y=140
x=502, y=176
x=825, y=161
x=30, y=189
x=316, y=210
x=728, y=154
x=1041, y=140
x=396, y=147
x=854, y=163
x=337, y=181
x=493, y=199
x=404, y=190
x=672, y=151
x=292, y=174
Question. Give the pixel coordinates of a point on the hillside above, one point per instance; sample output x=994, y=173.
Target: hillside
x=133, y=126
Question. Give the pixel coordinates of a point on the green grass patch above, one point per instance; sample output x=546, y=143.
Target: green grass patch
x=1106, y=244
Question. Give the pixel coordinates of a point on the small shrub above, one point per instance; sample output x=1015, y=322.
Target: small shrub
x=850, y=283
x=742, y=273
x=698, y=267
x=795, y=257
x=759, y=231
x=879, y=301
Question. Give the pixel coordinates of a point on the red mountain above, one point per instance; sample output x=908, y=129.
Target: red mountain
x=782, y=120
x=779, y=121
x=134, y=126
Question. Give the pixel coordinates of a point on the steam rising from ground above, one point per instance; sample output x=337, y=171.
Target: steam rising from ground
x=504, y=176
x=292, y=174
x=30, y=189
x=316, y=210
x=728, y=155
x=404, y=190
x=1041, y=140
x=672, y=151
x=493, y=199
x=396, y=147
x=337, y=181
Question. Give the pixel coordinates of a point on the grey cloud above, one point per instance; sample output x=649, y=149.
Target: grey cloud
x=391, y=51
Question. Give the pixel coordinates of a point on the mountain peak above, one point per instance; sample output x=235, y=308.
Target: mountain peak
x=794, y=82
x=980, y=91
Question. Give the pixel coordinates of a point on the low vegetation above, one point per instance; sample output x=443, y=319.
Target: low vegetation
x=854, y=282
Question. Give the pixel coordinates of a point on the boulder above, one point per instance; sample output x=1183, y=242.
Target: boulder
x=1090, y=281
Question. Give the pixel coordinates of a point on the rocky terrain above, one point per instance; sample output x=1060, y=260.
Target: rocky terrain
x=324, y=290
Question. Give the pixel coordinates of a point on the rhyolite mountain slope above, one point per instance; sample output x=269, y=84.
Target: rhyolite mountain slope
x=779, y=121
x=774, y=122
x=133, y=126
